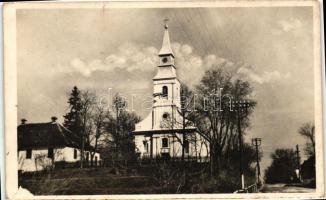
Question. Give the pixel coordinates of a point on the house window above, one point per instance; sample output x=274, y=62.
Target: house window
x=28, y=153
x=50, y=153
x=165, y=92
x=75, y=153
x=165, y=142
x=186, y=146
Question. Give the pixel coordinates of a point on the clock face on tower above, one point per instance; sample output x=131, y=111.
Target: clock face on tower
x=164, y=60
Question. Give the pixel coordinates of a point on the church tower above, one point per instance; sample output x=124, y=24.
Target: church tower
x=166, y=85
x=157, y=134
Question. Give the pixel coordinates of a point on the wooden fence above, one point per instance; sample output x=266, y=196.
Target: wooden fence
x=250, y=189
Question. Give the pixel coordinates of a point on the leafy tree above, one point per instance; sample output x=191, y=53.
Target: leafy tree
x=72, y=119
x=119, y=126
x=282, y=169
x=307, y=130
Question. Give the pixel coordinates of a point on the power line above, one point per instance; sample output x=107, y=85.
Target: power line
x=211, y=38
x=199, y=31
x=185, y=32
x=190, y=21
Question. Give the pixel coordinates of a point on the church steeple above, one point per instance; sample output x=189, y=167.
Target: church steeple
x=166, y=68
x=166, y=45
x=166, y=54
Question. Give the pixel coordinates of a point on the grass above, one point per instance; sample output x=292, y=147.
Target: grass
x=144, y=180
x=88, y=181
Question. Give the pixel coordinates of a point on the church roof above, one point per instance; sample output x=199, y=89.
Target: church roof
x=166, y=45
x=165, y=73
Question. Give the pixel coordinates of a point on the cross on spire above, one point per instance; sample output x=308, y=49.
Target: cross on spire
x=166, y=46
x=166, y=22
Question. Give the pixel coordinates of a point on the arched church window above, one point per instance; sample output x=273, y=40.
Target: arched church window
x=165, y=92
x=165, y=142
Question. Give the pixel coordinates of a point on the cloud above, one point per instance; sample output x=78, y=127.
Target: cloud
x=129, y=56
x=132, y=57
x=265, y=77
x=287, y=26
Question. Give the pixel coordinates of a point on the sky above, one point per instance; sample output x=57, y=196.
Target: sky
x=98, y=49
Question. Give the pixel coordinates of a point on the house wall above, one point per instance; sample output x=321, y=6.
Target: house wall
x=39, y=159
x=197, y=148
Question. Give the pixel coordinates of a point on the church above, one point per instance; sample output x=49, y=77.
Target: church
x=163, y=133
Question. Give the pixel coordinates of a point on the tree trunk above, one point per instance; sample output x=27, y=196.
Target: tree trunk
x=217, y=162
x=82, y=154
x=211, y=160
x=92, y=159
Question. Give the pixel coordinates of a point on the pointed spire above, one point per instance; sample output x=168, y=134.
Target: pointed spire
x=166, y=45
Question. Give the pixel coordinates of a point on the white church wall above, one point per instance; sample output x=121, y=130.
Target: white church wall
x=196, y=149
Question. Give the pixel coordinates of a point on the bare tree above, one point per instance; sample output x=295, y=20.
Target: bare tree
x=182, y=119
x=307, y=130
x=99, y=117
x=87, y=105
x=215, y=119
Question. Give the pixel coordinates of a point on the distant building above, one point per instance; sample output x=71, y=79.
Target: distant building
x=161, y=133
x=40, y=145
x=308, y=168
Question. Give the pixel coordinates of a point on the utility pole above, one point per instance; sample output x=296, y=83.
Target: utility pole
x=298, y=161
x=241, y=107
x=257, y=142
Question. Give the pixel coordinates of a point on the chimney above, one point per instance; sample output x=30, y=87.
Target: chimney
x=23, y=121
x=54, y=119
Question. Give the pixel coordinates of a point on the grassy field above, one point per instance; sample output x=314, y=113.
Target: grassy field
x=86, y=181
x=140, y=180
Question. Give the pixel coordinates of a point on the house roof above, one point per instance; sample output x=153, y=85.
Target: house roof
x=45, y=135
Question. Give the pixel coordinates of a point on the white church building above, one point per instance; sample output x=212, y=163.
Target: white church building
x=161, y=133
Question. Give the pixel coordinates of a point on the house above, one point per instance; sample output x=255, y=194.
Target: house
x=42, y=145
x=162, y=133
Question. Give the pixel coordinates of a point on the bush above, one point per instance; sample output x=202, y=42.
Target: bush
x=282, y=169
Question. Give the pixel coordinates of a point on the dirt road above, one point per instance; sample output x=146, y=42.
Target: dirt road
x=283, y=188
